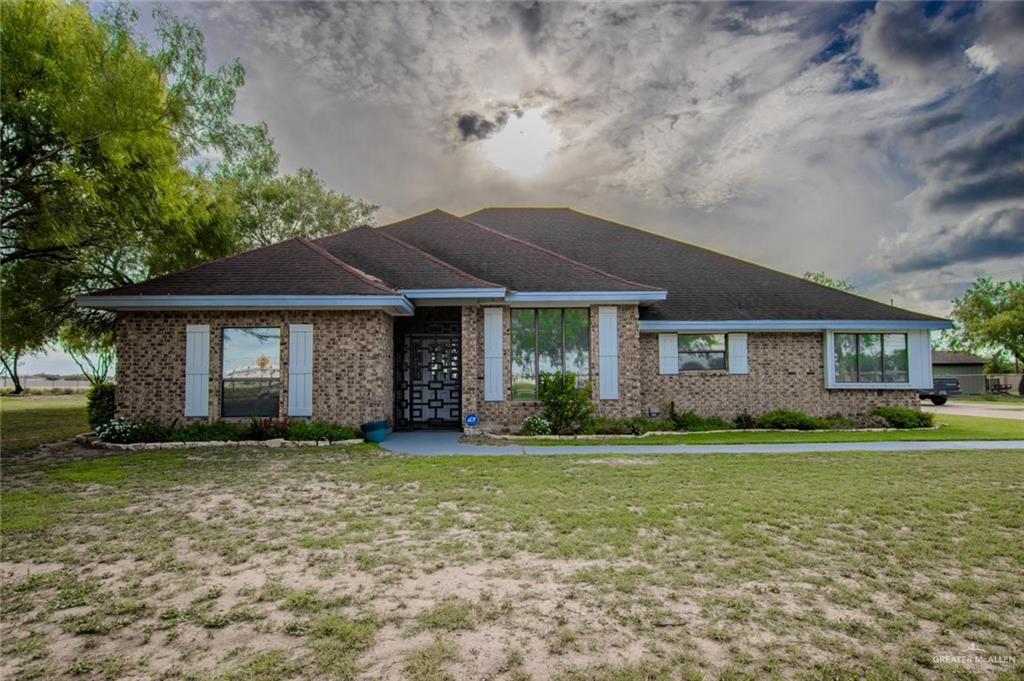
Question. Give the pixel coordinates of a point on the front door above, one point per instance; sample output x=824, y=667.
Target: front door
x=428, y=373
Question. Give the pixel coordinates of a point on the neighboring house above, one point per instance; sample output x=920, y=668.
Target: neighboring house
x=963, y=365
x=429, y=319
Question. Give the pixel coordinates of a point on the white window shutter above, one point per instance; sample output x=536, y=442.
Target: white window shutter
x=494, y=337
x=197, y=370
x=300, y=369
x=668, y=353
x=919, y=359
x=608, y=346
x=738, y=353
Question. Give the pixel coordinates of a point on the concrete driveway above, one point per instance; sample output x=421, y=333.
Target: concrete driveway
x=992, y=410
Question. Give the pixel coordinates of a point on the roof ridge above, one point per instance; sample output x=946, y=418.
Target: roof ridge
x=746, y=262
x=369, y=279
x=434, y=258
x=555, y=254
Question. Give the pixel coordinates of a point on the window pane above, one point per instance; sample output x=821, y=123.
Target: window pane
x=577, y=344
x=549, y=339
x=702, y=343
x=251, y=372
x=869, y=357
x=701, y=352
x=846, y=357
x=250, y=397
x=252, y=353
x=895, y=359
x=701, y=361
x=524, y=345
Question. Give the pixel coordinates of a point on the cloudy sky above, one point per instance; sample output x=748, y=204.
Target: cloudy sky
x=882, y=143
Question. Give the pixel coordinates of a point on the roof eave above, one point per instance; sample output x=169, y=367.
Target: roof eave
x=392, y=304
x=579, y=297
x=711, y=325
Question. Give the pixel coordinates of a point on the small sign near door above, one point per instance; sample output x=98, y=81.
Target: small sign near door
x=471, y=421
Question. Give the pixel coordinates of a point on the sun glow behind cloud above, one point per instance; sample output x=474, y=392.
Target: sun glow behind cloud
x=525, y=147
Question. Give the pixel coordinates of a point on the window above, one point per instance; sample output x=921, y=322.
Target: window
x=251, y=378
x=548, y=340
x=702, y=352
x=871, y=358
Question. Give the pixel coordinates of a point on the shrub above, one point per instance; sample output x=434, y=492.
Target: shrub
x=688, y=420
x=639, y=426
x=320, y=430
x=266, y=429
x=205, y=432
x=691, y=421
x=127, y=431
x=610, y=426
x=901, y=417
x=535, y=425
x=838, y=421
x=872, y=421
x=745, y=421
x=100, y=404
x=566, y=407
x=785, y=419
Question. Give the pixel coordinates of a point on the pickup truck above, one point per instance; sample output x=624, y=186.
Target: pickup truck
x=941, y=389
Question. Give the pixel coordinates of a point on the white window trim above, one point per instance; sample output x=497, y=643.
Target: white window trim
x=919, y=367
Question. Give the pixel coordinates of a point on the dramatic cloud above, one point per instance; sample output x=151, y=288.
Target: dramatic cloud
x=844, y=138
x=996, y=235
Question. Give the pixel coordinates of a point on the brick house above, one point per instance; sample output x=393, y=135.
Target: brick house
x=427, y=320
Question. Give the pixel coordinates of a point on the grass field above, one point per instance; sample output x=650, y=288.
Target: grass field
x=953, y=428
x=345, y=563
x=29, y=421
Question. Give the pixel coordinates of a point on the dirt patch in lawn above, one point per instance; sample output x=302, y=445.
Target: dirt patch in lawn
x=349, y=564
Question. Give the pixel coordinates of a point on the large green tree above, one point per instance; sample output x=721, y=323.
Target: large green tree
x=989, y=318
x=831, y=282
x=273, y=207
x=95, y=134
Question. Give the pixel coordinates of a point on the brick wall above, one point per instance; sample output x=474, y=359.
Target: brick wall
x=352, y=361
x=787, y=371
x=510, y=413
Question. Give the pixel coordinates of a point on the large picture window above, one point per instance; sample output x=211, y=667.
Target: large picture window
x=251, y=378
x=871, y=358
x=548, y=340
x=702, y=352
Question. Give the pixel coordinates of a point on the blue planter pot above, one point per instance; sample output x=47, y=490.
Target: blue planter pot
x=375, y=431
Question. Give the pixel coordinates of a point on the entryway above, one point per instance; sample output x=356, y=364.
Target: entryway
x=428, y=369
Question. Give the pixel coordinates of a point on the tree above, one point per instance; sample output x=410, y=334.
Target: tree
x=91, y=349
x=274, y=207
x=989, y=318
x=96, y=134
x=25, y=319
x=831, y=282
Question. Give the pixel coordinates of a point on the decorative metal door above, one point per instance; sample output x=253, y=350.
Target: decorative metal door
x=428, y=378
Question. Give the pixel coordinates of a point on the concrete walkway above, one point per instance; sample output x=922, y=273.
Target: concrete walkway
x=429, y=443
x=988, y=410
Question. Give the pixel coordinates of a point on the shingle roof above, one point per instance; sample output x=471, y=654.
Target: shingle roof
x=293, y=267
x=702, y=284
x=947, y=357
x=498, y=257
x=400, y=264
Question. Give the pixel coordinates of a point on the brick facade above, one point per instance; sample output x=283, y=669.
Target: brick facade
x=353, y=370
x=509, y=413
x=787, y=371
x=352, y=362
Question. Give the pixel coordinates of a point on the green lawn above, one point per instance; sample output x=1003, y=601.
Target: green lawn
x=1013, y=399
x=344, y=563
x=953, y=428
x=32, y=420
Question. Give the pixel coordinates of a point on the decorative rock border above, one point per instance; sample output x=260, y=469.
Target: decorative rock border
x=603, y=436
x=91, y=440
